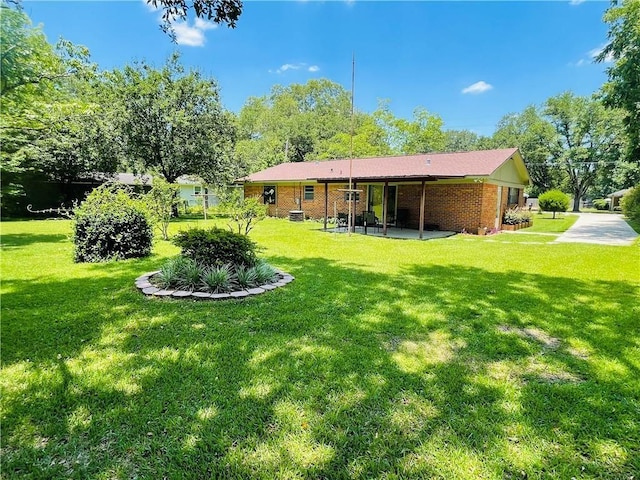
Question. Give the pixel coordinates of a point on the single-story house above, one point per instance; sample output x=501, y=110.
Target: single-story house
x=615, y=198
x=440, y=191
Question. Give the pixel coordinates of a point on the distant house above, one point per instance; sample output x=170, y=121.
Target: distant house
x=445, y=191
x=192, y=190
x=615, y=198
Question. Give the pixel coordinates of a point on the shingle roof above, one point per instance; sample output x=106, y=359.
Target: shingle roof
x=429, y=165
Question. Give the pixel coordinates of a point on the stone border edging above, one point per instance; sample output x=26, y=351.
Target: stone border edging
x=147, y=288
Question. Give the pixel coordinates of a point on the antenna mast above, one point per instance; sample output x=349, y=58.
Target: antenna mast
x=351, y=192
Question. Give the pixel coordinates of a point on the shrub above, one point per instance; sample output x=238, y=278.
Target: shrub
x=630, y=204
x=601, y=204
x=553, y=201
x=111, y=225
x=516, y=216
x=216, y=247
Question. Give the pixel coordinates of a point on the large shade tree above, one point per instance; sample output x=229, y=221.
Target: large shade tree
x=46, y=121
x=292, y=123
x=623, y=87
x=172, y=122
x=533, y=135
x=588, y=140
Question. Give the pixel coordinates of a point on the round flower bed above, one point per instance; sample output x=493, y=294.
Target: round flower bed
x=149, y=286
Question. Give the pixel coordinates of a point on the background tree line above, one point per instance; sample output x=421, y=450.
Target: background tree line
x=64, y=120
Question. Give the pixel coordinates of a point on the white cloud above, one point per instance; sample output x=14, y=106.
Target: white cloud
x=597, y=51
x=576, y=2
x=203, y=25
x=295, y=66
x=478, y=87
x=186, y=35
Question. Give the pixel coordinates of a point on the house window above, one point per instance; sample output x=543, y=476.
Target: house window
x=356, y=196
x=514, y=196
x=197, y=190
x=308, y=192
x=269, y=194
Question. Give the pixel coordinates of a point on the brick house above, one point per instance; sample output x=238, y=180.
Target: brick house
x=438, y=191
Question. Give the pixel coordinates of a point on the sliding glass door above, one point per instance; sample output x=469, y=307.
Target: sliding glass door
x=375, y=202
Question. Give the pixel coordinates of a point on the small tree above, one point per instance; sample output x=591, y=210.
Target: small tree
x=244, y=212
x=631, y=204
x=553, y=201
x=161, y=201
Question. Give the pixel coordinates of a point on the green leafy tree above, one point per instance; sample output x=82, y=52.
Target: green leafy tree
x=292, y=124
x=244, y=212
x=41, y=112
x=460, y=141
x=218, y=11
x=553, y=201
x=420, y=135
x=588, y=139
x=162, y=200
x=368, y=140
x=173, y=122
x=534, y=136
x=623, y=87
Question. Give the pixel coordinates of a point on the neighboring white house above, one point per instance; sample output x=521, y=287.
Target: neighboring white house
x=192, y=189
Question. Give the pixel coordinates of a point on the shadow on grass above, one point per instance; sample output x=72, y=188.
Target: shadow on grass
x=19, y=240
x=447, y=372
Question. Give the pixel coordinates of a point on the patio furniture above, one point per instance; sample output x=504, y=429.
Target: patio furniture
x=370, y=220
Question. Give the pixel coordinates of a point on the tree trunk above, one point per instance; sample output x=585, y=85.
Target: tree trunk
x=576, y=202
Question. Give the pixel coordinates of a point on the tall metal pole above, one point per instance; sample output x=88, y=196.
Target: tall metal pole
x=351, y=193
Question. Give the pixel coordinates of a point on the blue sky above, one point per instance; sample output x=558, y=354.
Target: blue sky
x=469, y=62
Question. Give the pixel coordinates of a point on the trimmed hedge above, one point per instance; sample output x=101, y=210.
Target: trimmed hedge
x=553, y=201
x=216, y=247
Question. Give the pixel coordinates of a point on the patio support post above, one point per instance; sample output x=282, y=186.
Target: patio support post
x=326, y=203
x=385, y=194
x=352, y=195
x=422, y=196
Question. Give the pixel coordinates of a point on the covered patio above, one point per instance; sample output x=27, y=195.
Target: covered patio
x=393, y=232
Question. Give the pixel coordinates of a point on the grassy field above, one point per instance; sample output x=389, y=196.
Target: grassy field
x=500, y=357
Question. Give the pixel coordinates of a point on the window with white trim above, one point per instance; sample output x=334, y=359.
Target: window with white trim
x=309, y=191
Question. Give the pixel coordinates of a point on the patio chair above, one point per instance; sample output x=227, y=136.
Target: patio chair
x=370, y=220
x=341, y=220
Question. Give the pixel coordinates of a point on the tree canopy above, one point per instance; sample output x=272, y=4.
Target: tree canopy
x=218, y=11
x=172, y=122
x=623, y=87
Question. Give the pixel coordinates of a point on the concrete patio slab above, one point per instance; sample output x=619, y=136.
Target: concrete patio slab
x=393, y=232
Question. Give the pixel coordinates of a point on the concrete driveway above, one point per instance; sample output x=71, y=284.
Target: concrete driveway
x=602, y=228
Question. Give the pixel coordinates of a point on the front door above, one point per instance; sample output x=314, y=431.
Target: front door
x=375, y=202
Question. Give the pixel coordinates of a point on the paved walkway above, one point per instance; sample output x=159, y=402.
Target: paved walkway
x=602, y=228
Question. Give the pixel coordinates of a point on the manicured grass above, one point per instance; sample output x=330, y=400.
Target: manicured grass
x=466, y=358
x=545, y=223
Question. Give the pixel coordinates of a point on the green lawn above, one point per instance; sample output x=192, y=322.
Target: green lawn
x=463, y=358
x=545, y=223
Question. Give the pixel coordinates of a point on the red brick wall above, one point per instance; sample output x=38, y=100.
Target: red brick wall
x=450, y=207
x=286, y=196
